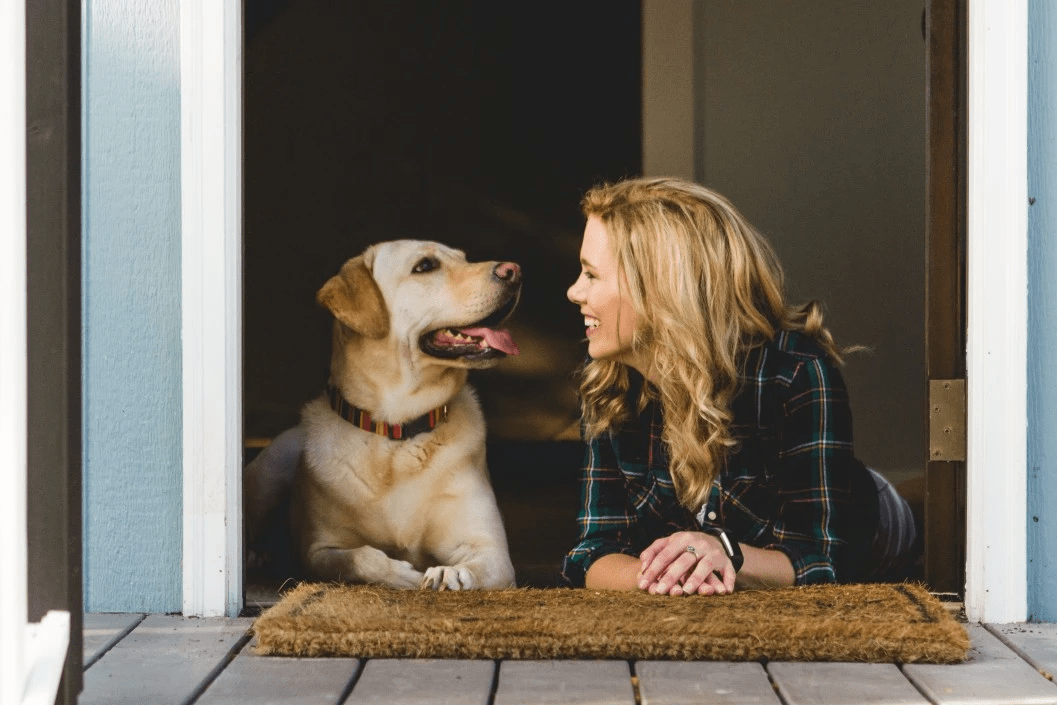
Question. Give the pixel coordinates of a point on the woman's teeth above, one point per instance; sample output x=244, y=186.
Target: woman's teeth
x=591, y=322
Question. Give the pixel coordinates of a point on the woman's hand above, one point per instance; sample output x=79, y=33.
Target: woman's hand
x=685, y=563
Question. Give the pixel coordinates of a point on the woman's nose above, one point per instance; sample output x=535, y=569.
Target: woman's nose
x=573, y=293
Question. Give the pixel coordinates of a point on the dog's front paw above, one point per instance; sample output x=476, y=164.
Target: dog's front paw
x=404, y=576
x=446, y=577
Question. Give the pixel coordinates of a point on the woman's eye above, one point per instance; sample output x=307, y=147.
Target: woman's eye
x=426, y=264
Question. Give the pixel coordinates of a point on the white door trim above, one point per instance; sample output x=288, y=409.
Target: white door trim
x=13, y=424
x=996, y=355
x=211, y=192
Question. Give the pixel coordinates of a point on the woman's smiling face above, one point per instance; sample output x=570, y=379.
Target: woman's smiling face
x=608, y=316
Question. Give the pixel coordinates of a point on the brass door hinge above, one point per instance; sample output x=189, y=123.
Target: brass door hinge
x=947, y=414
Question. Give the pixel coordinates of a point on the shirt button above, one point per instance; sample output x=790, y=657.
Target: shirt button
x=711, y=516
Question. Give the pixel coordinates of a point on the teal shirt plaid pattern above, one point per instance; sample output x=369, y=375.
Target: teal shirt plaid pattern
x=792, y=483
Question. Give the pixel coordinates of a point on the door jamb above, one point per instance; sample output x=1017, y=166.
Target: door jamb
x=997, y=309
x=211, y=191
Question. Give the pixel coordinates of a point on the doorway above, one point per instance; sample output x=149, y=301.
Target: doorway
x=481, y=124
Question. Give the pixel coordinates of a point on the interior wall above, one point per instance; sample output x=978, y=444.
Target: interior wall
x=810, y=118
x=478, y=124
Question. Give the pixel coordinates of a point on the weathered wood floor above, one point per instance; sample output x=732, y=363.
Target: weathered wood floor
x=161, y=660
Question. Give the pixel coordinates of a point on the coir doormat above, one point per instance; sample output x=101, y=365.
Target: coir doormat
x=877, y=623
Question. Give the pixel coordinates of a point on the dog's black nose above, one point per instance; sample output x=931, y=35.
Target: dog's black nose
x=508, y=272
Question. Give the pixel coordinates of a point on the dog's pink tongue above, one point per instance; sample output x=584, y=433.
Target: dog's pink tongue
x=498, y=339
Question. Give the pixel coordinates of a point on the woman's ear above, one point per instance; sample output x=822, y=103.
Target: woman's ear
x=353, y=297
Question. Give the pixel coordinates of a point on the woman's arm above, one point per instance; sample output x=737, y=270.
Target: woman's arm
x=605, y=519
x=615, y=571
x=764, y=568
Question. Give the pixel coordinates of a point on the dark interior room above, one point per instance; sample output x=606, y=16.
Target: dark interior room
x=476, y=124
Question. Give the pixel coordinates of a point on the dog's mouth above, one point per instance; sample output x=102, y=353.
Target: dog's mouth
x=482, y=340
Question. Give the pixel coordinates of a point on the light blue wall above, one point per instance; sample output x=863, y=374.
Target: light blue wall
x=1042, y=311
x=132, y=392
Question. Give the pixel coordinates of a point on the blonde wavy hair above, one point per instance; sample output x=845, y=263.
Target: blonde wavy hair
x=707, y=288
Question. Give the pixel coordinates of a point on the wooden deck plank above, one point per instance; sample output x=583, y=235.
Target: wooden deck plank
x=164, y=660
x=412, y=682
x=829, y=683
x=1035, y=643
x=271, y=680
x=693, y=682
x=101, y=630
x=565, y=683
x=993, y=675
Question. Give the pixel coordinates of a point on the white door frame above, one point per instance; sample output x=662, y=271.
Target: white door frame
x=211, y=64
x=997, y=276
x=13, y=380
x=211, y=193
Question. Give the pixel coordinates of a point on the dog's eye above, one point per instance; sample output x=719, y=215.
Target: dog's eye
x=426, y=264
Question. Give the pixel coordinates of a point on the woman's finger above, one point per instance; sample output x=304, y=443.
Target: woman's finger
x=647, y=556
x=674, y=575
x=713, y=585
x=697, y=578
x=662, y=560
x=729, y=575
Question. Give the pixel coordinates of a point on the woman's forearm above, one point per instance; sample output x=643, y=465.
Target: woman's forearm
x=614, y=571
x=764, y=568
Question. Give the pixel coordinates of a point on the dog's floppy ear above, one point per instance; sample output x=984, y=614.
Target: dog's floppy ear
x=354, y=298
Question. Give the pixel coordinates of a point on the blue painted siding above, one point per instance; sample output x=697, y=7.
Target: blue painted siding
x=1042, y=311
x=131, y=317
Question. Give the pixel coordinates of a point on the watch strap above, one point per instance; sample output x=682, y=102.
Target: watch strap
x=731, y=548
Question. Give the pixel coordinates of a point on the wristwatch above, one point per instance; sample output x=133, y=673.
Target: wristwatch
x=731, y=548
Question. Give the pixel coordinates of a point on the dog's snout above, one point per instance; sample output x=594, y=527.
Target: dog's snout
x=508, y=272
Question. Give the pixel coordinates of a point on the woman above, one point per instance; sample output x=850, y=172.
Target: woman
x=718, y=424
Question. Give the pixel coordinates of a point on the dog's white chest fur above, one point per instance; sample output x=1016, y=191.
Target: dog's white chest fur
x=397, y=495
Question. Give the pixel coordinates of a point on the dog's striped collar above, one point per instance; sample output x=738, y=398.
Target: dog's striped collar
x=395, y=431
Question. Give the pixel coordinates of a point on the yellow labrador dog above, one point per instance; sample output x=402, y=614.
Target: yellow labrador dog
x=388, y=466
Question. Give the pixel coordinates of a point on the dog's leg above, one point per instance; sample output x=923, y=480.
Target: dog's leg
x=472, y=551
x=365, y=564
x=484, y=569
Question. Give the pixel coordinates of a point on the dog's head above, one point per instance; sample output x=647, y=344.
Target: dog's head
x=427, y=298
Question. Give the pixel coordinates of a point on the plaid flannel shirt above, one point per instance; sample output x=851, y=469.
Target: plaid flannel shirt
x=791, y=484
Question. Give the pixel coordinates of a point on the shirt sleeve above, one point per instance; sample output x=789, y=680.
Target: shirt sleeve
x=815, y=461
x=606, y=521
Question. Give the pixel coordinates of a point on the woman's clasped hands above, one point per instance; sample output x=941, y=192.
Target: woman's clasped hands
x=686, y=563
